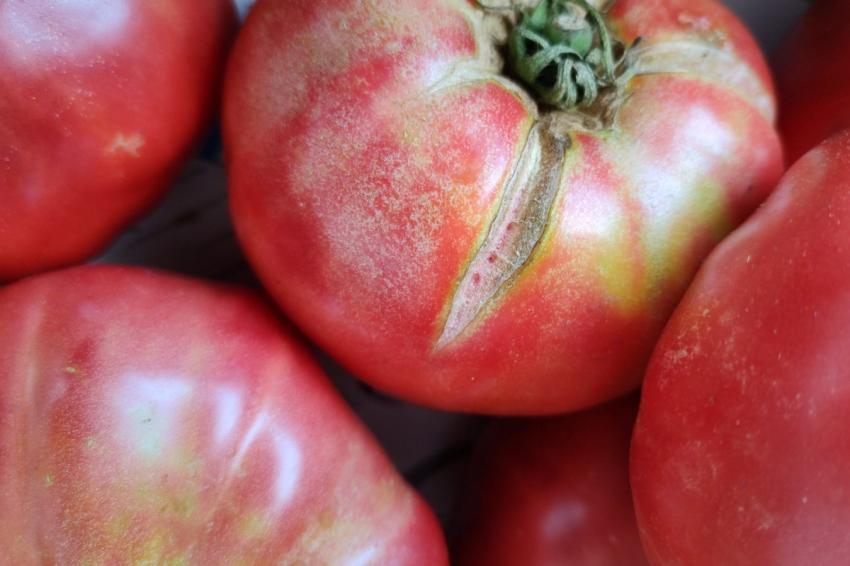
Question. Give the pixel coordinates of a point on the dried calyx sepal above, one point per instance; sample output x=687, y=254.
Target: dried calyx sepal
x=563, y=50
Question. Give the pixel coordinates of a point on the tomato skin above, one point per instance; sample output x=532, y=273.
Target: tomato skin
x=741, y=452
x=813, y=79
x=552, y=491
x=102, y=101
x=146, y=418
x=369, y=150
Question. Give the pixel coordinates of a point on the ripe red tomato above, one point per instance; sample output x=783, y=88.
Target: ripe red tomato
x=741, y=453
x=813, y=78
x=148, y=419
x=552, y=491
x=101, y=102
x=456, y=243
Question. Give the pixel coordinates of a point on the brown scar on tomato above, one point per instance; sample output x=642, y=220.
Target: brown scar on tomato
x=534, y=183
x=707, y=60
x=513, y=235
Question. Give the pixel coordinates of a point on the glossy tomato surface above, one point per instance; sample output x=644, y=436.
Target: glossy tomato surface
x=455, y=243
x=741, y=451
x=149, y=419
x=813, y=76
x=552, y=492
x=102, y=99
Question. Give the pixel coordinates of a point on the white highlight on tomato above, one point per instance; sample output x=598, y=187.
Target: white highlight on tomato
x=57, y=390
x=50, y=28
x=229, y=405
x=564, y=519
x=701, y=142
x=362, y=558
x=150, y=406
x=714, y=138
x=597, y=214
x=288, y=459
x=243, y=7
x=286, y=452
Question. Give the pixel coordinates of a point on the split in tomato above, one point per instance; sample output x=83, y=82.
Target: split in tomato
x=463, y=241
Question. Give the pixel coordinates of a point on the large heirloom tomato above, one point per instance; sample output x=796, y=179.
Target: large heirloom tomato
x=147, y=419
x=552, y=492
x=456, y=241
x=741, y=454
x=100, y=100
x=813, y=75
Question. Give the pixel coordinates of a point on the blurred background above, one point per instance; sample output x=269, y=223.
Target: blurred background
x=191, y=233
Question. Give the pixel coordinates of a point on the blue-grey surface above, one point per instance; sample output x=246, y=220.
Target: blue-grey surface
x=768, y=19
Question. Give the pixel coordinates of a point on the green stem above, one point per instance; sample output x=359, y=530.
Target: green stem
x=604, y=36
x=565, y=64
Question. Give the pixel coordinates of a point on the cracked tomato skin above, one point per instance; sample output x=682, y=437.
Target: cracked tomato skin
x=741, y=451
x=372, y=147
x=552, y=491
x=102, y=100
x=150, y=419
x=813, y=77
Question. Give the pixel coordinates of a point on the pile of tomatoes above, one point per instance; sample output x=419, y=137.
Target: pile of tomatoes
x=576, y=212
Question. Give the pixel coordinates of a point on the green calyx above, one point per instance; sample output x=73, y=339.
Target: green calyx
x=563, y=51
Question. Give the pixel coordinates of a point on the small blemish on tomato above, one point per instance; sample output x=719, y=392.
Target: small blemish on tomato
x=126, y=144
x=476, y=278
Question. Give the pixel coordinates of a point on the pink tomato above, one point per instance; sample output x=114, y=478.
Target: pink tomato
x=741, y=453
x=552, y=492
x=149, y=419
x=101, y=101
x=466, y=242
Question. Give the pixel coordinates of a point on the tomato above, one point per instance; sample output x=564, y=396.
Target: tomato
x=149, y=419
x=552, y=491
x=741, y=451
x=456, y=243
x=102, y=100
x=813, y=77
